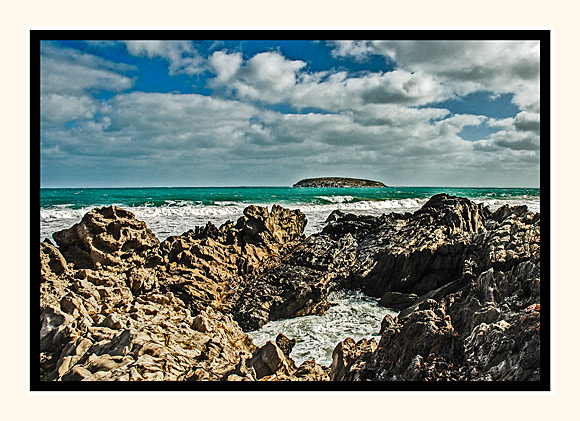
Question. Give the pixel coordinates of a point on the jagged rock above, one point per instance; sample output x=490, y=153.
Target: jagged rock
x=426, y=331
x=335, y=215
x=387, y=322
x=346, y=353
x=506, y=351
x=298, y=285
x=53, y=280
x=418, y=254
x=205, y=266
x=269, y=360
x=99, y=330
x=280, y=294
x=310, y=371
x=397, y=300
x=285, y=344
x=279, y=226
x=109, y=236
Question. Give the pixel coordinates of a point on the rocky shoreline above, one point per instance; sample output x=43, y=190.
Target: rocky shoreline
x=118, y=304
x=337, y=182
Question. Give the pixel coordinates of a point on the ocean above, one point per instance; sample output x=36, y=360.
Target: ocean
x=175, y=210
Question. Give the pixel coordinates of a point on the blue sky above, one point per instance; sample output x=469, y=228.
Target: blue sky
x=230, y=113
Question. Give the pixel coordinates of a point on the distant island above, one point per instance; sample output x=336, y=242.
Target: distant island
x=337, y=182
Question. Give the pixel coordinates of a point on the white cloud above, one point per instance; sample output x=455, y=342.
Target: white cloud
x=67, y=79
x=224, y=65
x=69, y=72
x=466, y=66
x=60, y=109
x=359, y=50
x=373, y=127
x=267, y=77
x=271, y=78
x=181, y=55
x=521, y=133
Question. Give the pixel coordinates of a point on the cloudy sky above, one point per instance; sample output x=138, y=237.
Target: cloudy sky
x=265, y=113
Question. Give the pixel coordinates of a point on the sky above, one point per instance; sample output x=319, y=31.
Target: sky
x=269, y=113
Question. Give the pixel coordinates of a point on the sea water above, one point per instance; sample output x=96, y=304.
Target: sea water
x=173, y=211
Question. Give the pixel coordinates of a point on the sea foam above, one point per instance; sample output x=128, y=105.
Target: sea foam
x=353, y=315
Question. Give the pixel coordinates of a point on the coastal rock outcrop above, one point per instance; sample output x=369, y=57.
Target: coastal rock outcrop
x=117, y=304
x=297, y=285
x=484, y=324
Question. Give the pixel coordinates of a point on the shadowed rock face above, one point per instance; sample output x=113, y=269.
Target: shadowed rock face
x=411, y=253
x=117, y=304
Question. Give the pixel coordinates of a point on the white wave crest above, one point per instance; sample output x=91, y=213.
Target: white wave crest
x=336, y=199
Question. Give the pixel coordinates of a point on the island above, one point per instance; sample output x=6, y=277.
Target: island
x=338, y=182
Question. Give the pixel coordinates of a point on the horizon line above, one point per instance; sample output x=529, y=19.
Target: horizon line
x=282, y=185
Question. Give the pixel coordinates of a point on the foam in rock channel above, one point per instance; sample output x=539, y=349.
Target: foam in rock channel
x=352, y=315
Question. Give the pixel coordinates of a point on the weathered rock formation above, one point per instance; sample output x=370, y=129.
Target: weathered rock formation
x=117, y=304
x=337, y=182
x=483, y=323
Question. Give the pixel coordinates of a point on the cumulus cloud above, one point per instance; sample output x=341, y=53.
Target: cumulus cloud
x=466, y=66
x=359, y=50
x=521, y=133
x=181, y=55
x=224, y=65
x=527, y=122
x=271, y=78
x=266, y=77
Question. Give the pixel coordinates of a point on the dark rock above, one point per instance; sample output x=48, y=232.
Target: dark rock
x=397, y=300
x=285, y=344
x=424, y=333
x=387, y=322
x=346, y=353
x=418, y=254
x=335, y=215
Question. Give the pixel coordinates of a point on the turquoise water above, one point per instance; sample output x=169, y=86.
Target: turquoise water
x=178, y=196
x=172, y=211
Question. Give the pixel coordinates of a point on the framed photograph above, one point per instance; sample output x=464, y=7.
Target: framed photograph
x=314, y=210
